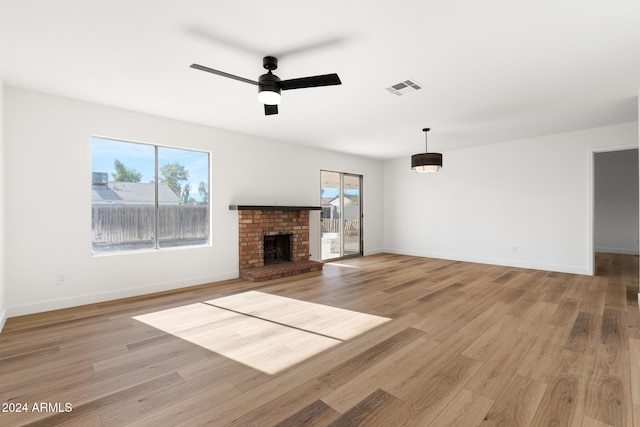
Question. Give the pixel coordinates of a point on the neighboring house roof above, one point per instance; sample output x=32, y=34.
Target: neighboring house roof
x=327, y=200
x=335, y=201
x=132, y=192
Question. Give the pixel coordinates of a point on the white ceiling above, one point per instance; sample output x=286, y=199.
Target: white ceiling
x=492, y=70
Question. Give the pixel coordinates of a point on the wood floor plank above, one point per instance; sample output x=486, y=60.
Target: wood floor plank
x=316, y=414
x=508, y=276
x=566, y=313
x=466, y=344
x=280, y=408
x=517, y=403
x=632, y=295
x=465, y=409
x=616, y=295
x=585, y=332
x=367, y=359
x=412, y=376
x=590, y=422
x=185, y=405
x=632, y=323
x=555, y=286
x=487, y=343
x=559, y=403
x=542, y=361
x=498, y=370
x=609, y=401
x=487, y=319
x=612, y=331
x=427, y=396
x=83, y=422
x=557, y=335
x=350, y=393
x=535, y=321
x=608, y=397
x=634, y=368
x=369, y=411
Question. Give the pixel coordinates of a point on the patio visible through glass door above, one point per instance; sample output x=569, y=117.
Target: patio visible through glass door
x=341, y=214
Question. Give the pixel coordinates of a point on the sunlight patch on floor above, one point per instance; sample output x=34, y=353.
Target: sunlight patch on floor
x=338, y=264
x=264, y=331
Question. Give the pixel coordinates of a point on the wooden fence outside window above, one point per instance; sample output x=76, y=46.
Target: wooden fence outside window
x=112, y=224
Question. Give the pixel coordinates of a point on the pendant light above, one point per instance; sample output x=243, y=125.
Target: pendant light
x=426, y=162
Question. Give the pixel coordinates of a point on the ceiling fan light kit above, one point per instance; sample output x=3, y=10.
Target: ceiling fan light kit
x=268, y=94
x=270, y=85
x=426, y=162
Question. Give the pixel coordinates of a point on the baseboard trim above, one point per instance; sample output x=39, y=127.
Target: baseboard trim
x=57, y=304
x=3, y=318
x=617, y=251
x=497, y=261
x=373, y=251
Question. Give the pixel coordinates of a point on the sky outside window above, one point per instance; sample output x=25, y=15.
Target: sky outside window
x=140, y=157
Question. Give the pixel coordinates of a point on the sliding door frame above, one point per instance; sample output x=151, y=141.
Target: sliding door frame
x=341, y=198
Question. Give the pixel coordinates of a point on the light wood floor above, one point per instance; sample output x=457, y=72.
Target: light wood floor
x=467, y=344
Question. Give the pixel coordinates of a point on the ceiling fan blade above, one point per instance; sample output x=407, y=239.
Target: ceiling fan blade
x=223, y=74
x=313, y=81
x=270, y=109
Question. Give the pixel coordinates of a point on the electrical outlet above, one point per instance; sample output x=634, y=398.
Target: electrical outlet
x=514, y=249
x=62, y=279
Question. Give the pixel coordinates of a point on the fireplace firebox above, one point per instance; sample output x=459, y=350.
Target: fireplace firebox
x=277, y=249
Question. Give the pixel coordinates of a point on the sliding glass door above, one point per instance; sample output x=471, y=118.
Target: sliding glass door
x=351, y=232
x=341, y=195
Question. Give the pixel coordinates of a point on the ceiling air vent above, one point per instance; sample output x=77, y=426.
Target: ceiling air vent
x=404, y=87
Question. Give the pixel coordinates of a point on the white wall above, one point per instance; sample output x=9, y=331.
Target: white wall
x=616, y=202
x=47, y=200
x=3, y=300
x=522, y=203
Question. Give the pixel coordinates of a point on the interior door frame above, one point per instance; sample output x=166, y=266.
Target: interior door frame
x=591, y=155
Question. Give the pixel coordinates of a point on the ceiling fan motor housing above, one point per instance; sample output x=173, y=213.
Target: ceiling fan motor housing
x=268, y=83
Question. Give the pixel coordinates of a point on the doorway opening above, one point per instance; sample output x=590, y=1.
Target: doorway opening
x=341, y=217
x=615, y=202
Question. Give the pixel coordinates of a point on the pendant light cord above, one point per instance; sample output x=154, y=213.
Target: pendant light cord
x=425, y=130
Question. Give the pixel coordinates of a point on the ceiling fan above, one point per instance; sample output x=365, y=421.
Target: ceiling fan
x=270, y=85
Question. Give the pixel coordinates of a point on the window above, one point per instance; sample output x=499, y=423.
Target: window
x=147, y=197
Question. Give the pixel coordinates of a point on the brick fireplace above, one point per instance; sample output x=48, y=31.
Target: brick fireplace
x=256, y=222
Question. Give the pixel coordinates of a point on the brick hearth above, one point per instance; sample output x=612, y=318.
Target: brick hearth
x=274, y=271
x=256, y=222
